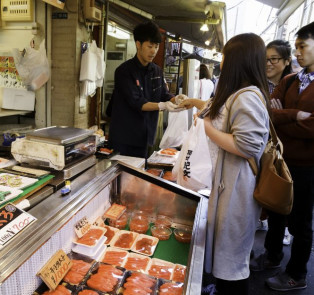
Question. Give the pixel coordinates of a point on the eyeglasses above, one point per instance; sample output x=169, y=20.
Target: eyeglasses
x=273, y=60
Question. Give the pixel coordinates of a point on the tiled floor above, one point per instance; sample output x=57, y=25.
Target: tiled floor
x=257, y=279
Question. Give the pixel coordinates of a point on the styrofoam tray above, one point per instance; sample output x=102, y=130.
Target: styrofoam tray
x=115, y=232
x=166, y=264
x=118, y=262
x=99, y=253
x=117, y=237
x=88, y=250
x=143, y=252
x=135, y=266
x=178, y=266
x=165, y=155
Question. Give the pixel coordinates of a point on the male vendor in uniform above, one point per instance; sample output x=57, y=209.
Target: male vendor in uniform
x=139, y=93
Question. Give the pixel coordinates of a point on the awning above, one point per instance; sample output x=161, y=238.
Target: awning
x=182, y=18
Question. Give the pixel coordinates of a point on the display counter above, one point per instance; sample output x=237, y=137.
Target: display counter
x=91, y=193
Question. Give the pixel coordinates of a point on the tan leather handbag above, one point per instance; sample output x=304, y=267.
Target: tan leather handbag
x=274, y=185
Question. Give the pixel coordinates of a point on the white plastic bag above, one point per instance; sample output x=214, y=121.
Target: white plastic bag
x=176, y=130
x=193, y=168
x=32, y=66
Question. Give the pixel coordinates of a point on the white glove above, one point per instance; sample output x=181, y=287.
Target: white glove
x=169, y=106
x=276, y=104
x=303, y=115
x=179, y=98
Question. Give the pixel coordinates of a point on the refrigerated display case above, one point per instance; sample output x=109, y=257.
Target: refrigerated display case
x=92, y=193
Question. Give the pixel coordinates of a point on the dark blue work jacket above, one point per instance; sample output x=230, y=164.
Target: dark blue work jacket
x=134, y=86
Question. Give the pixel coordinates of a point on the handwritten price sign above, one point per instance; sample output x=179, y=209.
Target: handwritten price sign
x=82, y=227
x=55, y=269
x=12, y=221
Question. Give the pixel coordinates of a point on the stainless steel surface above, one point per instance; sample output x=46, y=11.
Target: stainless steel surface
x=55, y=211
x=39, y=196
x=78, y=167
x=59, y=135
x=52, y=213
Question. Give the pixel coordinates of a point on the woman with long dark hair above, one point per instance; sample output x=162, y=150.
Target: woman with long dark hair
x=236, y=122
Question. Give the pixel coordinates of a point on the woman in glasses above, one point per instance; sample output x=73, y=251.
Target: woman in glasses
x=278, y=65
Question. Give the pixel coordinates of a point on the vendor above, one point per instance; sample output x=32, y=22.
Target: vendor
x=139, y=93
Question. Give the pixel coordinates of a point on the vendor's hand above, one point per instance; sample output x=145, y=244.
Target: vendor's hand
x=179, y=98
x=187, y=103
x=303, y=115
x=169, y=106
x=276, y=104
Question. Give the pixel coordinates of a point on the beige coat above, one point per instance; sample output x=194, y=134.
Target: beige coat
x=233, y=213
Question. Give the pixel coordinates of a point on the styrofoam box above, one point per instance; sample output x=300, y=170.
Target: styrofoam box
x=142, y=236
x=89, y=250
x=18, y=99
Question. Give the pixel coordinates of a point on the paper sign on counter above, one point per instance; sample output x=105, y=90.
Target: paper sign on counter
x=12, y=221
x=82, y=227
x=55, y=269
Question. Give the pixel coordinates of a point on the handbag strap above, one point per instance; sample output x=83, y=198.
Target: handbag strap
x=272, y=133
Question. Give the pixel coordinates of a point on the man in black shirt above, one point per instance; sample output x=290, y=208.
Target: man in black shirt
x=139, y=93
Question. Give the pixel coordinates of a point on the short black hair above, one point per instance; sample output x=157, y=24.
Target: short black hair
x=148, y=31
x=306, y=32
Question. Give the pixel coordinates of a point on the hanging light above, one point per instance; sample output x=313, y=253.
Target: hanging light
x=204, y=27
x=207, y=42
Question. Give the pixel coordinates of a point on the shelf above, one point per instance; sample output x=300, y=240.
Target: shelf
x=6, y=113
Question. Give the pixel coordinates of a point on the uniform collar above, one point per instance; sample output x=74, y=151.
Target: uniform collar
x=149, y=67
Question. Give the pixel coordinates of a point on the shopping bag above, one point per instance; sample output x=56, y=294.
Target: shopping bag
x=33, y=66
x=176, y=130
x=193, y=168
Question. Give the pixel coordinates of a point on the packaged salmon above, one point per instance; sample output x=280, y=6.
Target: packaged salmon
x=119, y=223
x=61, y=289
x=179, y=273
x=145, y=245
x=137, y=283
x=94, y=250
x=124, y=240
x=87, y=291
x=77, y=272
x=168, y=287
x=105, y=278
x=160, y=269
x=137, y=262
x=114, y=256
x=110, y=233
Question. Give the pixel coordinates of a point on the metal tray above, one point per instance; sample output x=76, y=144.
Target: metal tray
x=59, y=134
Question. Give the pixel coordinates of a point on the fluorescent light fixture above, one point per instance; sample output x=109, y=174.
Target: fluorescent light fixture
x=117, y=32
x=204, y=28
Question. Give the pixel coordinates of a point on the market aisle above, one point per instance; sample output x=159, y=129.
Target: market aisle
x=257, y=279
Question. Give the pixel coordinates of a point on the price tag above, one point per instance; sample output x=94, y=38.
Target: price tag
x=55, y=269
x=115, y=211
x=82, y=227
x=12, y=221
x=99, y=222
